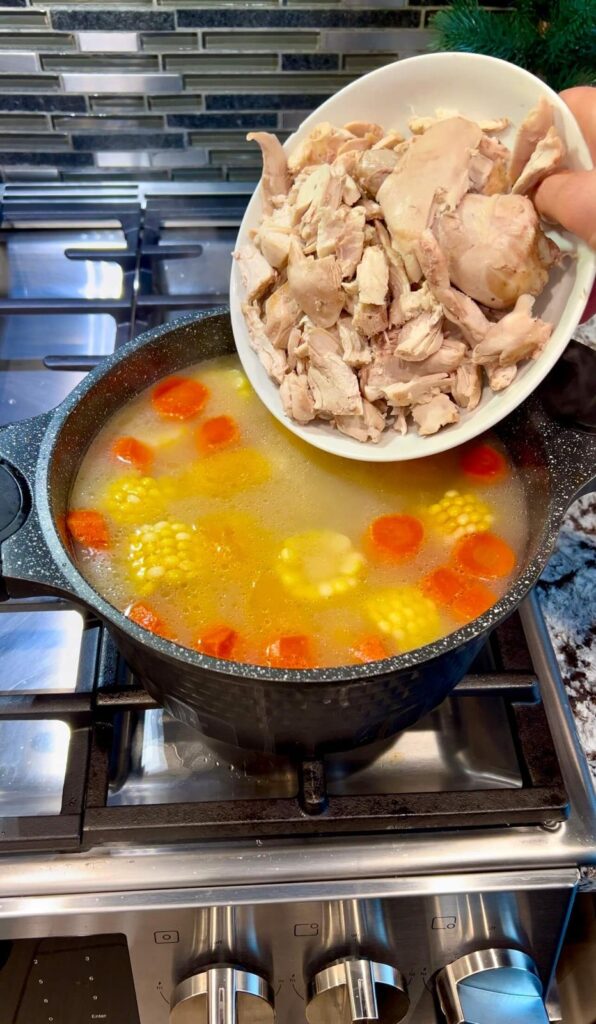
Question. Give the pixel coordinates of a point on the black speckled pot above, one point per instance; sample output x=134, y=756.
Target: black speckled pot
x=259, y=708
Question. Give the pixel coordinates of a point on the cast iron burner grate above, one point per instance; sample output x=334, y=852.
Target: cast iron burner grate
x=97, y=712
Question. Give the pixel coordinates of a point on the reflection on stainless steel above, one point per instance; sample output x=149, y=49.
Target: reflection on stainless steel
x=32, y=337
x=33, y=265
x=465, y=745
x=222, y=995
x=208, y=273
x=32, y=767
x=357, y=990
x=492, y=986
x=40, y=650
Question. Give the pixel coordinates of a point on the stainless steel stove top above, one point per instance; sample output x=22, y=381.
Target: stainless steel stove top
x=81, y=270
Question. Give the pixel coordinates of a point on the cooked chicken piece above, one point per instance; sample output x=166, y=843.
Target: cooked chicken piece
x=402, y=308
x=400, y=422
x=297, y=351
x=385, y=370
x=467, y=387
x=315, y=285
x=421, y=337
x=327, y=197
x=390, y=140
x=341, y=232
x=372, y=276
x=370, y=320
x=446, y=359
x=363, y=128
x=355, y=348
x=487, y=175
x=431, y=416
x=274, y=242
x=350, y=290
x=458, y=308
x=495, y=249
x=500, y=377
x=372, y=210
x=275, y=180
x=419, y=125
x=411, y=304
x=320, y=147
x=346, y=163
x=432, y=176
x=296, y=398
x=273, y=359
x=309, y=188
x=282, y=313
x=319, y=343
x=351, y=193
x=532, y=129
x=257, y=276
x=546, y=158
x=516, y=336
x=417, y=390
x=334, y=385
x=367, y=427
x=356, y=145
x=373, y=168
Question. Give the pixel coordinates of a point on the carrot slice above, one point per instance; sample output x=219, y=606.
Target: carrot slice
x=89, y=529
x=396, y=536
x=179, y=398
x=218, y=432
x=484, y=555
x=473, y=600
x=132, y=453
x=369, y=648
x=293, y=651
x=483, y=463
x=217, y=641
x=144, y=616
x=442, y=585
x=465, y=599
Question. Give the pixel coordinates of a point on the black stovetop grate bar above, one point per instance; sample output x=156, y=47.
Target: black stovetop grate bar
x=95, y=715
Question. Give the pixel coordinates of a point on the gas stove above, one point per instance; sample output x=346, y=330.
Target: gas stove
x=147, y=874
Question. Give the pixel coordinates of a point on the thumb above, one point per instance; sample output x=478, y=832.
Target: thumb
x=569, y=198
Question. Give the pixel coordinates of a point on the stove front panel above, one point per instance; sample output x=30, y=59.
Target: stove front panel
x=287, y=943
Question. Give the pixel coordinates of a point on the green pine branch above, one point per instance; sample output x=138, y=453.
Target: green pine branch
x=556, y=39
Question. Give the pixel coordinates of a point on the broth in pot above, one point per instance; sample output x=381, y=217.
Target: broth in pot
x=205, y=521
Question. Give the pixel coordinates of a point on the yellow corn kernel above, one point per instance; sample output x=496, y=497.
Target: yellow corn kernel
x=319, y=564
x=405, y=614
x=457, y=514
x=224, y=473
x=163, y=554
x=131, y=499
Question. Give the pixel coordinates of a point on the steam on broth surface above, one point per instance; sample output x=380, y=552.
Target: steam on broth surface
x=207, y=522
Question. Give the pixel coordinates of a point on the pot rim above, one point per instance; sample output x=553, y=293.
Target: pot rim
x=343, y=674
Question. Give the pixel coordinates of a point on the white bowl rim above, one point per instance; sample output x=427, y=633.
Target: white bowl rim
x=499, y=405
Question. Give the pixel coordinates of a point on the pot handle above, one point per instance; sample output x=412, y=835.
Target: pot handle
x=566, y=407
x=27, y=568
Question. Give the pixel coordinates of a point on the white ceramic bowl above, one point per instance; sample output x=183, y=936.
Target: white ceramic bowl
x=479, y=87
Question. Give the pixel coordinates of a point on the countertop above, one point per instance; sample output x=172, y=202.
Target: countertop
x=567, y=592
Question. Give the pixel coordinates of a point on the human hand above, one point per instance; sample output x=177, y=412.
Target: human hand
x=569, y=197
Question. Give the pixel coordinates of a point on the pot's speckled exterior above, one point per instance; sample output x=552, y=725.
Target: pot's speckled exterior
x=257, y=707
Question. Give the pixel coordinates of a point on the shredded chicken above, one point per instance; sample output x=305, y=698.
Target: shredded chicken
x=546, y=158
x=391, y=281
x=493, y=248
x=532, y=129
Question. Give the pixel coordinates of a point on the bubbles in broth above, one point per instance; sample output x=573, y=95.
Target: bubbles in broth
x=199, y=516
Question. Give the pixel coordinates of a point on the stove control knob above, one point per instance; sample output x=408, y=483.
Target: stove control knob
x=222, y=995
x=492, y=986
x=352, y=990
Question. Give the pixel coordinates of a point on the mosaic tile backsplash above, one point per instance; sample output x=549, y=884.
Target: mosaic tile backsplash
x=167, y=89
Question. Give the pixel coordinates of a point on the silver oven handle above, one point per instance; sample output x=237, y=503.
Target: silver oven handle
x=222, y=995
x=492, y=986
